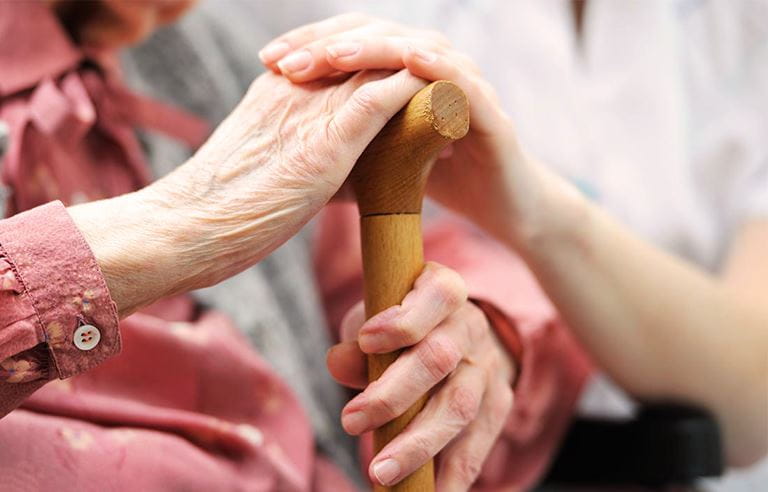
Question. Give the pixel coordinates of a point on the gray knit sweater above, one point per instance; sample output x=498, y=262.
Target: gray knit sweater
x=205, y=63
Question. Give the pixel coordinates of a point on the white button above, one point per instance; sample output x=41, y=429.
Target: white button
x=87, y=337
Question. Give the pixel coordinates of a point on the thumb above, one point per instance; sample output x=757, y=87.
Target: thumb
x=346, y=362
x=368, y=109
x=347, y=365
x=352, y=322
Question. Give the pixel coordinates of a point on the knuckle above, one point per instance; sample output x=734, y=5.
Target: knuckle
x=421, y=450
x=466, y=468
x=256, y=87
x=383, y=407
x=439, y=356
x=463, y=405
x=404, y=332
x=366, y=103
x=298, y=36
x=367, y=77
x=449, y=285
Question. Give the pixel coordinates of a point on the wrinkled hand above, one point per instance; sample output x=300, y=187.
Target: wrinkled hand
x=496, y=179
x=450, y=349
x=278, y=158
x=283, y=152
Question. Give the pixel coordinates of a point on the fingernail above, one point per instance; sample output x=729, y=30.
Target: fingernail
x=295, y=62
x=355, y=422
x=343, y=49
x=386, y=471
x=274, y=51
x=371, y=342
x=425, y=56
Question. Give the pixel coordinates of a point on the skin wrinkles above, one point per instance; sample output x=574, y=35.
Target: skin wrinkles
x=236, y=199
x=578, y=252
x=281, y=154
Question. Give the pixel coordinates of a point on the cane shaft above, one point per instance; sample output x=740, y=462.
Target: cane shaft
x=389, y=181
x=392, y=259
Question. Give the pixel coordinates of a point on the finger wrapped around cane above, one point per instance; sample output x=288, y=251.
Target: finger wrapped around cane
x=389, y=181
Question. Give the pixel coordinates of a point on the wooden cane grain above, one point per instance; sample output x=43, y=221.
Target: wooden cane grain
x=391, y=174
x=392, y=258
x=388, y=181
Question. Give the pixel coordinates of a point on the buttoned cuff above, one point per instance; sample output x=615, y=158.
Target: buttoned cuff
x=62, y=285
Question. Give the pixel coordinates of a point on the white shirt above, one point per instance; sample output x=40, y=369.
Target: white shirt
x=659, y=113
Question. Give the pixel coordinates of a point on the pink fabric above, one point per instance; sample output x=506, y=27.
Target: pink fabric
x=49, y=298
x=186, y=405
x=71, y=122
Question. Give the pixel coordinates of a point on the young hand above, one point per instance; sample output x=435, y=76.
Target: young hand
x=501, y=187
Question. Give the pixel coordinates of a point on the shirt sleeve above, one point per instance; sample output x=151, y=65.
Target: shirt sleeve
x=56, y=316
x=553, y=369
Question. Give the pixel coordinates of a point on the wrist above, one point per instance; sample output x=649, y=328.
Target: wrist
x=550, y=213
x=138, y=246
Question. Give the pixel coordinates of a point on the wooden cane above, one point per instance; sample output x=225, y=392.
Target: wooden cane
x=388, y=181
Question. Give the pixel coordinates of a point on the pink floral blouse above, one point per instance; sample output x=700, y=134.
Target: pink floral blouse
x=169, y=398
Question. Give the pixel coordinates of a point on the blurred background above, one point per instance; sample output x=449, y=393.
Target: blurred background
x=647, y=86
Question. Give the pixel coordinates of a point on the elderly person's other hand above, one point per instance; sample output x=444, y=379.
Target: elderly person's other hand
x=579, y=252
x=269, y=167
x=450, y=349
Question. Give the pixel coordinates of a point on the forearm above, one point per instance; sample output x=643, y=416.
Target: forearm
x=184, y=232
x=138, y=247
x=659, y=326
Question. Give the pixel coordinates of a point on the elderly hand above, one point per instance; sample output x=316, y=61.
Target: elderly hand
x=503, y=190
x=267, y=169
x=449, y=349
